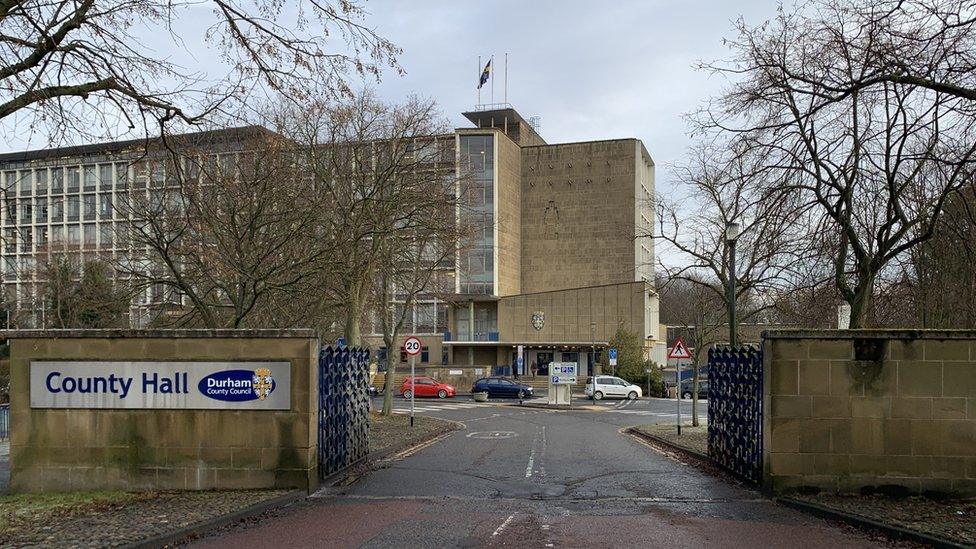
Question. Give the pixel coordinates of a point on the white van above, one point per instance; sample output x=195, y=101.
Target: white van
x=612, y=387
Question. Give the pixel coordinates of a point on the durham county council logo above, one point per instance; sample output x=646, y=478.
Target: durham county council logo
x=538, y=319
x=238, y=385
x=262, y=383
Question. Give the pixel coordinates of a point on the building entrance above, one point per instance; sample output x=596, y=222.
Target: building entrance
x=542, y=362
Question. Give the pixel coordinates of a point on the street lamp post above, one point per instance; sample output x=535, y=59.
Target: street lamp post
x=731, y=235
x=593, y=359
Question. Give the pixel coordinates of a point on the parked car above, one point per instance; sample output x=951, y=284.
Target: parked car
x=426, y=387
x=501, y=387
x=702, y=389
x=612, y=387
x=373, y=391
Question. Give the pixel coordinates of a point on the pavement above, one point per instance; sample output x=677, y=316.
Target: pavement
x=516, y=477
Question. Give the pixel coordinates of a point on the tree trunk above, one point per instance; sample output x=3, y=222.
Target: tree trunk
x=354, y=309
x=861, y=301
x=389, y=384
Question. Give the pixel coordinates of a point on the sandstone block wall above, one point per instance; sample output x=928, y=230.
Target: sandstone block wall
x=99, y=449
x=845, y=410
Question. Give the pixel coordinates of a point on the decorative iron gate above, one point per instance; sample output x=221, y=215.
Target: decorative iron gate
x=735, y=408
x=343, y=408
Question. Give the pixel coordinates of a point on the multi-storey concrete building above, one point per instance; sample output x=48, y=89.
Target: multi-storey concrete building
x=563, y=260
x=560, y=256
x=64, y=201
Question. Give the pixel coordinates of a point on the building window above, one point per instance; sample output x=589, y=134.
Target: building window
x=26, y=240
x=11, y=207
x=570, y=357
x=26, y=210
x=89, y=178
x=425, y=355
x=105, y=235
x=122, y=176
x=74, y=235
x=74, y=208
x=10, y=183
x=105, y=206
x=57, y=180
x=10, y=241
x=89, y=207
x=41, y=176
x=26, y=185
x=42, y=238
x=57, y=209
x=445, y=355
x=90, y=235
x=74, y=180
x=41, y=210
x=105, y=177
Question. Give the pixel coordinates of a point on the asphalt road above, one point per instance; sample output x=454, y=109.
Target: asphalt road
x=521, y=477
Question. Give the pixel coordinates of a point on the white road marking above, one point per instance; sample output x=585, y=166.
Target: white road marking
x=503, y=525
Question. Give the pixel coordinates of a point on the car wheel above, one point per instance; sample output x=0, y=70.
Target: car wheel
x=598, y=395
x=407, y=394
x=442, y=394
x=686, y=395
x=632, y=395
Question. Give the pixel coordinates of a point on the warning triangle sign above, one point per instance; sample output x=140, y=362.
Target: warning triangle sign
x=679, y=350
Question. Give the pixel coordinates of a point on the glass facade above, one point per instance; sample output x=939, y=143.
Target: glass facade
x=477, y=174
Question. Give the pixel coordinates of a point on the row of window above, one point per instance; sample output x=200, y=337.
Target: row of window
x=59, y=236
x=54, y=209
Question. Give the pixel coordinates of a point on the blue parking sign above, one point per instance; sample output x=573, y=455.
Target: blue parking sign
x=613, y=354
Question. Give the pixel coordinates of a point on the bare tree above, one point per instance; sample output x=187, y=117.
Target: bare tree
x=381, y=174
x=724, y=182
x=222, y=239
x=873, y=167
x=693, y=306
x=82, y=295
x=74, y=65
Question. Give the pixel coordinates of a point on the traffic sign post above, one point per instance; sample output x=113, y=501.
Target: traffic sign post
x=612, y=355
x=648, y=372
x=678, y=352
x=412, y=347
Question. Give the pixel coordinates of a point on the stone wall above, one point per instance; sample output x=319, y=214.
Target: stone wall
x=845, y=410
x=98, y=449
x=568, y=313
x=578, y=221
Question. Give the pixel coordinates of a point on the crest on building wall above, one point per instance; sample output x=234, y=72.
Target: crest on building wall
x=538, y=319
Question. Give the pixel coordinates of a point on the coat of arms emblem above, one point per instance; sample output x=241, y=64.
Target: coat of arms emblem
x=262, y=383
x=538, y=319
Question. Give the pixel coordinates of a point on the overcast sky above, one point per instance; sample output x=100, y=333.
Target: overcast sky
x=589, y=70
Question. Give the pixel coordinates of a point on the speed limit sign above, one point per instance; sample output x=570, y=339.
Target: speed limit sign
x=412, y=346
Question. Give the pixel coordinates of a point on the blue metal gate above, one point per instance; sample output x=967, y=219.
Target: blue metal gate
x=735, y=408
x=343, y=408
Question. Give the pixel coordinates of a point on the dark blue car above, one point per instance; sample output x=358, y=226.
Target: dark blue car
x=501, y=387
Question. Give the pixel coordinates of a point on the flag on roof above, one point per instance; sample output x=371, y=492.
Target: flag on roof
x=484, y=75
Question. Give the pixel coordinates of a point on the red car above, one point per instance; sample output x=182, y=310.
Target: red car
x=426, y=387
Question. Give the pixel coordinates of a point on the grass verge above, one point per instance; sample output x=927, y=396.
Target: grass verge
x=21, y=511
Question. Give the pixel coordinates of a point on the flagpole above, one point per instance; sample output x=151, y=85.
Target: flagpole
x=479, y=82
x=506, y=78
x=492, y=80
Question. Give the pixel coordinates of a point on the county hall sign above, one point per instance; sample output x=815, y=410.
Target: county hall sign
x=176, y=385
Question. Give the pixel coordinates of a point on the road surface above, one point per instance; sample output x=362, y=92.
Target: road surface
x=518, y=477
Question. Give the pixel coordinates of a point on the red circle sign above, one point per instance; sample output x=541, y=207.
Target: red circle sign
x=412, y=346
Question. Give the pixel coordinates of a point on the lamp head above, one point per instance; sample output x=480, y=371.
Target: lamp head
x=731, y=231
